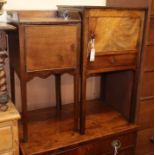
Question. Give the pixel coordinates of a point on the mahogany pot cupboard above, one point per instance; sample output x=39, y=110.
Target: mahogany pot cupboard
x=83, y=41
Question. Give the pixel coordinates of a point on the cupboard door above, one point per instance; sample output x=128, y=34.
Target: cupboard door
x=115, y=31
x=51, y=47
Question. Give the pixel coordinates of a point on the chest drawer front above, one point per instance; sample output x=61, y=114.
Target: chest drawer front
x=151, y=32
x=104, y=146
x=149, y=58
x=115, y=30
x=110, y=62
x=51, y=47
x=147, y=85
x=6, y=137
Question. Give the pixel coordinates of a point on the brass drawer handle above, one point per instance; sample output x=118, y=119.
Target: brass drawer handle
x=116, y=144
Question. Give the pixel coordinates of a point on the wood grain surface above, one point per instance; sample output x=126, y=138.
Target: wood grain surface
x=47, y=133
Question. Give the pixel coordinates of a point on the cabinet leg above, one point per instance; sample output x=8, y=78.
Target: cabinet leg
x=24, y=110
x=58, y=92
x=76, y=101
x=83, y=106
x=12, y=83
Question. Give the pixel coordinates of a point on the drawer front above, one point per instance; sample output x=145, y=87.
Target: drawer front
x=51, y=47
x=144, y=145
x=146, y=114
x=6, y=137
x=149, y=58
x=110, y=62
x=115, y=30
x=151, y=31
x=147, y=85
x=101, y=146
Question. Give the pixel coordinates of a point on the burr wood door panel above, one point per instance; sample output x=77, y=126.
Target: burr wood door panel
x=51, y=47
x=117, y=33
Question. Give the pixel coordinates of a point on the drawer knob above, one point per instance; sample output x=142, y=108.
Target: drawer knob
x=116, y=144
x=112, y=60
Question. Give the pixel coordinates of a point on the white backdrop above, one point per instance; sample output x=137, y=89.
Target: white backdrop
x=47, y=4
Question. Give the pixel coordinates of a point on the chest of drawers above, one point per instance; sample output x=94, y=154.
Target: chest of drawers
x=9, y=140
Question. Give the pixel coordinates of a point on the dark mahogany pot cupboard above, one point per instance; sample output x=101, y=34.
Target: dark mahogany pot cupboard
x=83, y=41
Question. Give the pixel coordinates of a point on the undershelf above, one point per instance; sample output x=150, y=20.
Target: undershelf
x=50, y=133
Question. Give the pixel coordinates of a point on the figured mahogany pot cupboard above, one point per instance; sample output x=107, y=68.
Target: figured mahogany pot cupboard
x=84, y=41
x=118, y=36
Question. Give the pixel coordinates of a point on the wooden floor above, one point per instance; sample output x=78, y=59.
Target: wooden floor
x=49, y=133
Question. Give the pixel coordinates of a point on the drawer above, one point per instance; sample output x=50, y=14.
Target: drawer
x=146, y=114
x=104, y=146
x=113, y=62
x=147, y=85
x=51, y=47
x=149, y=58
x=151, y=31
x=6, y=137
x=124, y=27
x=144, y=145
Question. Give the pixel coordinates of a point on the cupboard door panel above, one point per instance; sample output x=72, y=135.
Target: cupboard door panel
x=125, y=32
x=43, y=50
